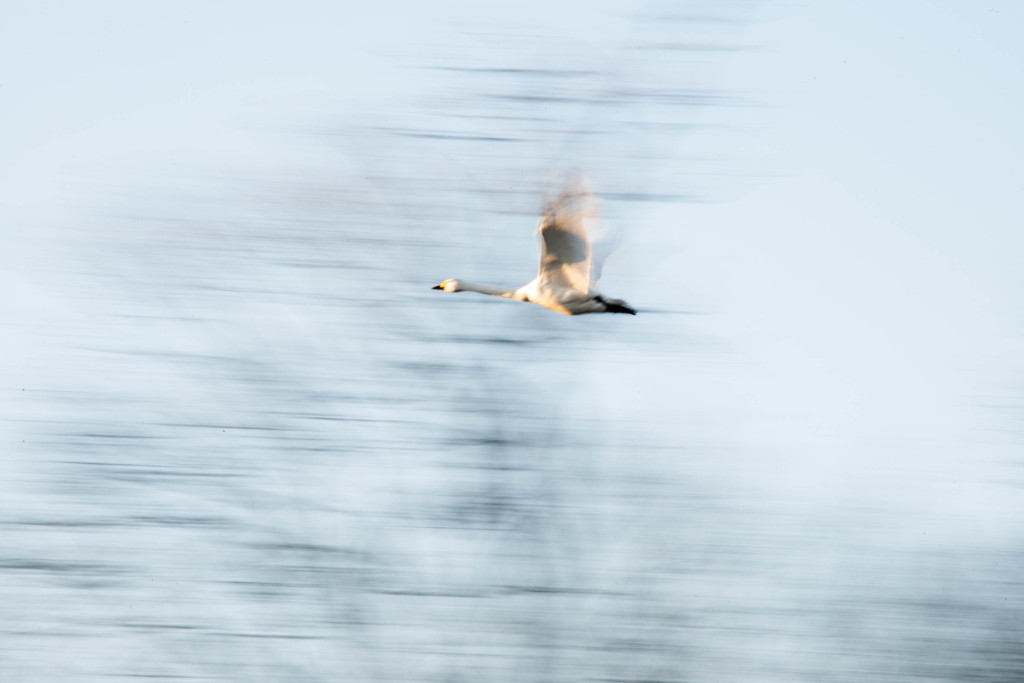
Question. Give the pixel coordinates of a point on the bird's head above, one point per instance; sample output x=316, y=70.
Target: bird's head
x=448, y=286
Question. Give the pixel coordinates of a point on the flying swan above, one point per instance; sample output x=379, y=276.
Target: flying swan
x=567, y=277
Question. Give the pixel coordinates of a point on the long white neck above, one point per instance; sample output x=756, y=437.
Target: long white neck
x=484, y=289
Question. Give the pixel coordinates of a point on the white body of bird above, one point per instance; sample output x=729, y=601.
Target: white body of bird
x=567, y=277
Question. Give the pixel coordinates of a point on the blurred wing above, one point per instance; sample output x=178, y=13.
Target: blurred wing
x=601, y=247
x=565, y=256
x=597, y=267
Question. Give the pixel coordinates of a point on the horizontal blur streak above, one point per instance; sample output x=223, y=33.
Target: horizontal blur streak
x=253, y=445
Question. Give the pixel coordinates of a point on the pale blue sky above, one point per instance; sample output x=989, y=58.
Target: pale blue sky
x=865, y=233
x=883, y=209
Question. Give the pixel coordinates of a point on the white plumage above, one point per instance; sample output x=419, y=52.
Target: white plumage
x=568, y=276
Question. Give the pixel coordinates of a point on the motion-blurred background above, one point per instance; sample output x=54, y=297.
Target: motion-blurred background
x=243, y=441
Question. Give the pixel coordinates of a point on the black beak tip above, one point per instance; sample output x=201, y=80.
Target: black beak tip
x=437, y=287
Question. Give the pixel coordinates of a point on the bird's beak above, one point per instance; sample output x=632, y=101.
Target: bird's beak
x=437, y=287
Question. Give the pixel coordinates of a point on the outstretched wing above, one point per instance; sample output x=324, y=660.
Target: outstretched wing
x=565, y=255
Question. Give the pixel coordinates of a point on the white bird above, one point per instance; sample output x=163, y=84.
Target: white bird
x=568, y=275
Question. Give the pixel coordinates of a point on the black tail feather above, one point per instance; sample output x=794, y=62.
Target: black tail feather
x=615, y=305
x=619, y=308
